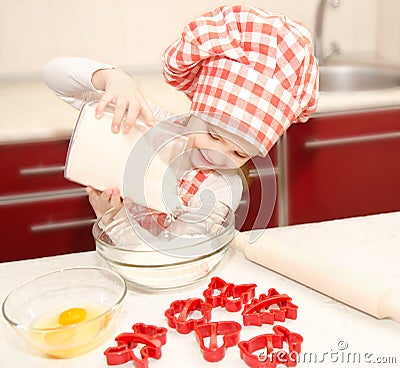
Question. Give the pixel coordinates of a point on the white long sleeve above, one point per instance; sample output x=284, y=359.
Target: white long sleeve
x=71, y=80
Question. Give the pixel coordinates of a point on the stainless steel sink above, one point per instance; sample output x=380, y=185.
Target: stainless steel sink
x=356, y=77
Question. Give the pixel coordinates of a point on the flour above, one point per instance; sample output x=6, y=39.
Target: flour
x=164, y=249
x=149, y=269
x=165, y=261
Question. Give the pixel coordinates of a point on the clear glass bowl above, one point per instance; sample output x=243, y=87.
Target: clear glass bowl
x=67, y=312
x=190, y=248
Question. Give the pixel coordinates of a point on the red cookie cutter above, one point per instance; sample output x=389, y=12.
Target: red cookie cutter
x=152, y=337
x=153, y=332
x=231, y=297
x=269, y=342
x=123, y=353
x=231, y=336
x=180, y=310
x=259, y=311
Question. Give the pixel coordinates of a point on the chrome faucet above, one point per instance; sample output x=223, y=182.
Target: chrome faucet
x=318, y=31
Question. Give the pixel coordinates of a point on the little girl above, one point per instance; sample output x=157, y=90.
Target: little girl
x=248, y=73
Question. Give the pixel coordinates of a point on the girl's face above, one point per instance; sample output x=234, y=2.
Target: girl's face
x=213, y=147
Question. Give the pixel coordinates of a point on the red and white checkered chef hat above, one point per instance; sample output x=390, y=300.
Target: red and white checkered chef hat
x=254, y=67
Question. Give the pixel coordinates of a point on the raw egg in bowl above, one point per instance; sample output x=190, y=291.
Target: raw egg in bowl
x=66, y=312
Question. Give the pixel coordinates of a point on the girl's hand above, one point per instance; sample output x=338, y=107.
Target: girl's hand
x=122, y=91
x=103, y=201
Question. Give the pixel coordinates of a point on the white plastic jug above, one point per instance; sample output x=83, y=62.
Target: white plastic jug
x=140, y=163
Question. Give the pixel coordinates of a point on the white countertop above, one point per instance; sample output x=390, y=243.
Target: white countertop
x=30, y=111
x=369, y=244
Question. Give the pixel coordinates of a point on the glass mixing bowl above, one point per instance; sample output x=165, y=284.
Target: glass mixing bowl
x=185, y=252
x=67, y=312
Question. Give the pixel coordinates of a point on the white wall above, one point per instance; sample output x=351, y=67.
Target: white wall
x=388, y=41
x=135, y=32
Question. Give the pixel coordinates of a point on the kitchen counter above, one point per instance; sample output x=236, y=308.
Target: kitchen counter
x=30, y=111
x=335, y=335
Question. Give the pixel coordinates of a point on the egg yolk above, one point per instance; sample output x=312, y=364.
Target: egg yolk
x=72, y=316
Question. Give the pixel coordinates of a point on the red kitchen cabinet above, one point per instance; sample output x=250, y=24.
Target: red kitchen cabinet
x=330, y=167
x=31, y=167
x=41, y=213
x=44, y=214
x=45, y=226
x=258, y=208
x=344, y=165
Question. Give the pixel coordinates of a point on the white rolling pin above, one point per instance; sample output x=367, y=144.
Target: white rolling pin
x=365, y=293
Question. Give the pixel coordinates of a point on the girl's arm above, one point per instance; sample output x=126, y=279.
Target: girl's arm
x=71, y=79
x=78, y=80
x=103, y=201
x=122, y=91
